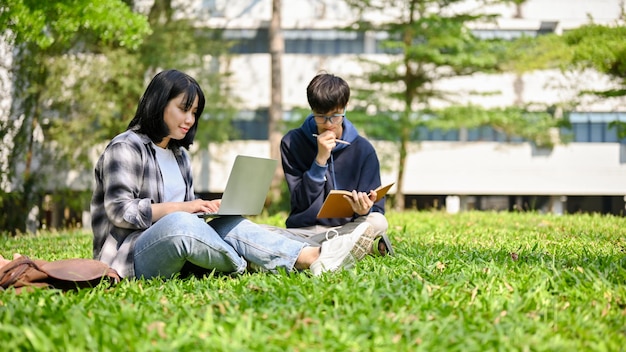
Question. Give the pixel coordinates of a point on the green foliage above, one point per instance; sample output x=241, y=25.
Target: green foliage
x=94, y=96
x=79, y=70
x=381, y=126
x=527, y=53
x=60, y=25
x=591, y=46
x=8, y=202
x=512, y=121
x=432, y=44
x=620, y=127
x=44, y=34
x=598, y=47
x=466, y=282
x=176, y=43
x=428, y=41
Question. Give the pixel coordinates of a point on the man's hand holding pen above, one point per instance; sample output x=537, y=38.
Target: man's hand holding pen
x=326, y=142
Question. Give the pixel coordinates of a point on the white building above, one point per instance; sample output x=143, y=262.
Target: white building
x=588, y=174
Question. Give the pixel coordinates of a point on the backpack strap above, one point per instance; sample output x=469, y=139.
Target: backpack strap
x=23, y=271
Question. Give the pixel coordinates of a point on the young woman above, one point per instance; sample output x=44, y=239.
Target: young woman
x=143, y=202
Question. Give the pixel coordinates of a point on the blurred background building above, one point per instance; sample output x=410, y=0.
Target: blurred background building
x=473, y=169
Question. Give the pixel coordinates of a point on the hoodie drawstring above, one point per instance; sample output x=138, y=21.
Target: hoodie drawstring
x=332, y=171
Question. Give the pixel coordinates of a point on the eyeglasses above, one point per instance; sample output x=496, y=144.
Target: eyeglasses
x=333, y=119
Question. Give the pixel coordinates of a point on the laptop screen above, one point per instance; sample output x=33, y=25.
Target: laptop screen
x=247, y=186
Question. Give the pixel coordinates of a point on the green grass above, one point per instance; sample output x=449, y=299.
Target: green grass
x=468, y=282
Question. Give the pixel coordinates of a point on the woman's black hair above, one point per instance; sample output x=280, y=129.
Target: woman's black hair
x=165, y=86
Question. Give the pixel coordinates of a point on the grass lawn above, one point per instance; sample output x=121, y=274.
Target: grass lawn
x=468, y=282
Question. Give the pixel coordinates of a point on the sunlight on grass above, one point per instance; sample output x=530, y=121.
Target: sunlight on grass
x=468, y=282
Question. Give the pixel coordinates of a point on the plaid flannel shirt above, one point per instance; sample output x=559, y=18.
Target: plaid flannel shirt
x=127, y=182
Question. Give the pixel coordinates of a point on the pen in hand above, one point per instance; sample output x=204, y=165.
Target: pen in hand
x=336, y=140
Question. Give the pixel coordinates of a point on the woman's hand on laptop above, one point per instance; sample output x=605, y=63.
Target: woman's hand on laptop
x=204, y=206
x=196, y=206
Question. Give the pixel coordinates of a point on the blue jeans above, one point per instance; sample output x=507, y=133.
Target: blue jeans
x=224, y=244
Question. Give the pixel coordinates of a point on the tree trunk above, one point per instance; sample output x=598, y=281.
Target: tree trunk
x=404, y=141
x=25, y=154
x=277, y=47
x=405, y=120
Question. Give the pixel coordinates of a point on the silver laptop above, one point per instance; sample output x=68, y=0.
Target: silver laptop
x=247, y=186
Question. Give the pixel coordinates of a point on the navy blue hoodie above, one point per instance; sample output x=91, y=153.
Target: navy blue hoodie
x=350, y=167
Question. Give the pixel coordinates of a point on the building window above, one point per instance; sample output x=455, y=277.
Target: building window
x=594, y=127
x=334, y=41
x=252, y=125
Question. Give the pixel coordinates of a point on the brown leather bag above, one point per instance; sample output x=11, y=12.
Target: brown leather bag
x=24, y=273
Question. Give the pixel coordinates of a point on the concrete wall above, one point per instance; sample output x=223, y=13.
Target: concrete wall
x=489, y=168
x=456, y=168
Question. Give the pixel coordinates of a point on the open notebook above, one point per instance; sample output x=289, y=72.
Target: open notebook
x=247, y=186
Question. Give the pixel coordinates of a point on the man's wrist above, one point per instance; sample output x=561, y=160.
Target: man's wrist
x=322, y=164
x=317, y=172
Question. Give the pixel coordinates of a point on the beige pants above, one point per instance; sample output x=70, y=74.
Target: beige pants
x=315, y=235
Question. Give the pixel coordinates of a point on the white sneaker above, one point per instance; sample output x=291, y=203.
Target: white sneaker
x=342, y=252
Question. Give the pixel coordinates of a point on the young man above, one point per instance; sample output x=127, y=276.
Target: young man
x=327, y=153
